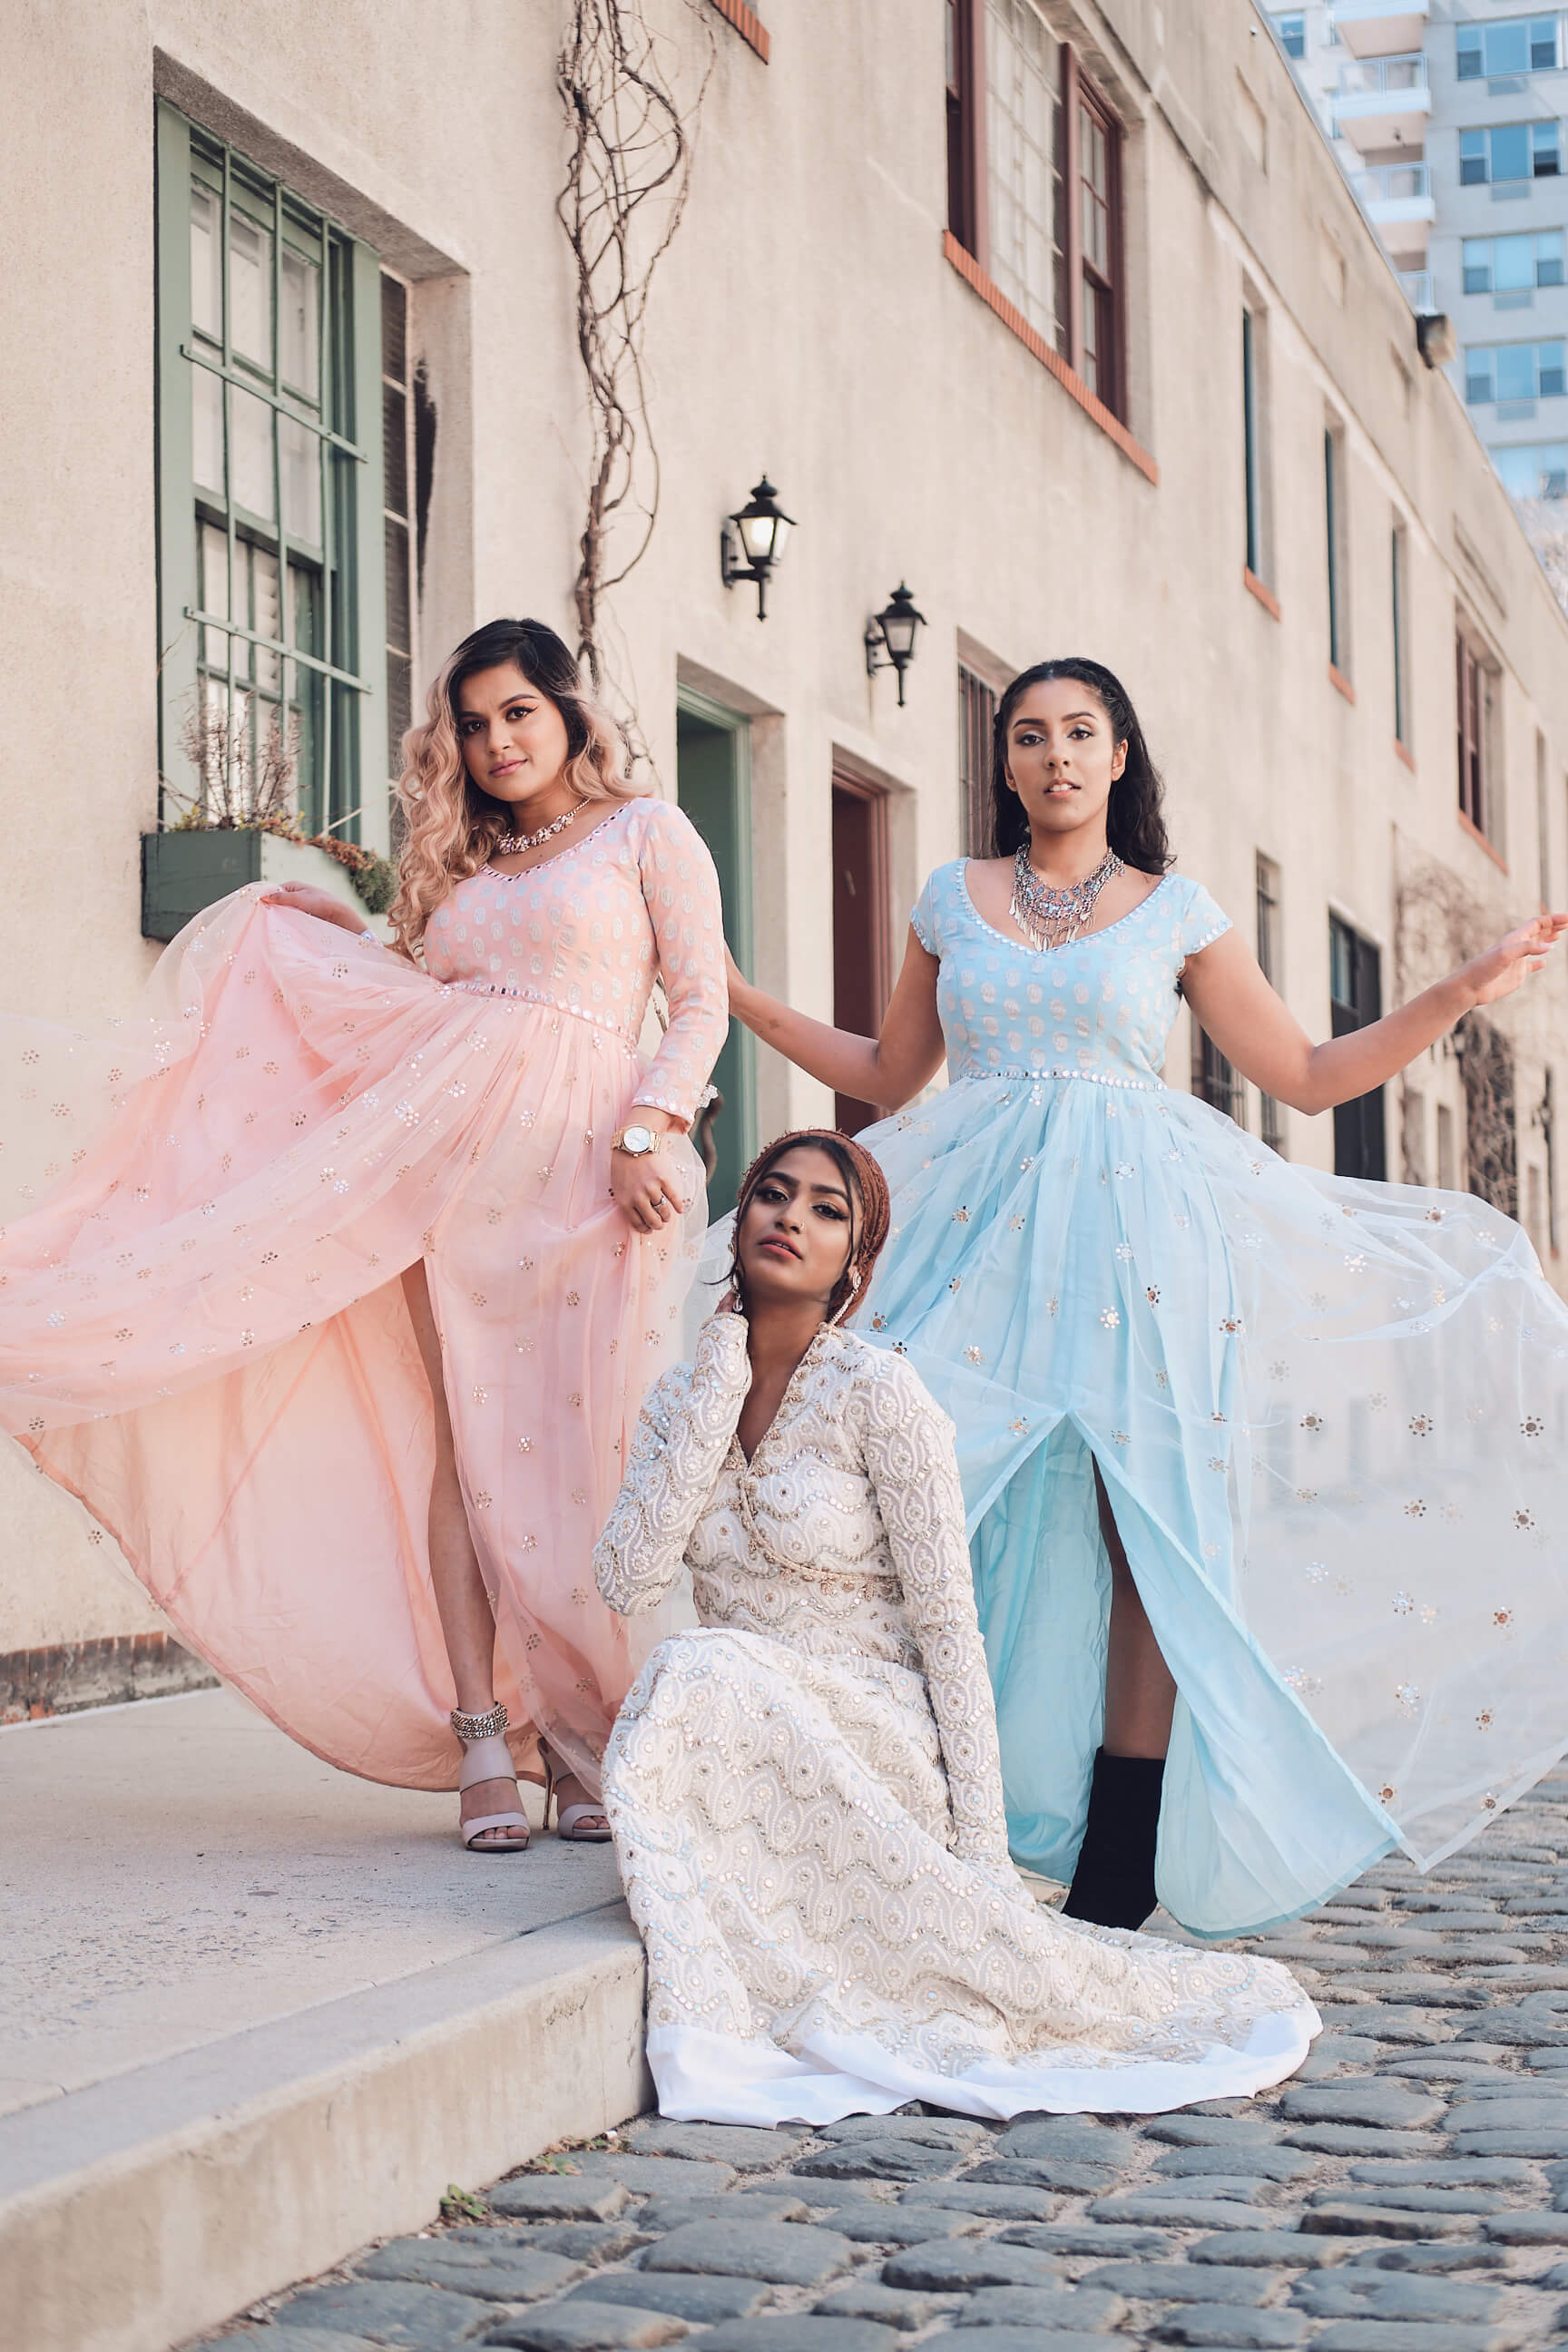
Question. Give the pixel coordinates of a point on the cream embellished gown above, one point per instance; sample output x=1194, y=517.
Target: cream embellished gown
x=806, y=1799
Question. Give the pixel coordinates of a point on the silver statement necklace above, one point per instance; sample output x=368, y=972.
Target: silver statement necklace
x=511, y=844
x=1054, y=918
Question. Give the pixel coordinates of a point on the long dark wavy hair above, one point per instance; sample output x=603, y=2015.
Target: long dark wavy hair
x=1135, y=821
x=451, y=827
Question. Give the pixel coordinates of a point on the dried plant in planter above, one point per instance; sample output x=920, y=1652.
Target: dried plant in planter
x=252, y=787
x=245, y=781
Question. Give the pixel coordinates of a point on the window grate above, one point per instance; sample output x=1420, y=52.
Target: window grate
x=265, y=462
x=398, y=531
x=976, y=723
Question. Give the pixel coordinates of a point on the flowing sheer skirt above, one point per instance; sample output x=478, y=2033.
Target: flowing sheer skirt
x=203, y=1333
x=1332, y=1418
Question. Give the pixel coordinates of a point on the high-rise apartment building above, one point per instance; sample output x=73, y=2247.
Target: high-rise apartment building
x=1449, y=118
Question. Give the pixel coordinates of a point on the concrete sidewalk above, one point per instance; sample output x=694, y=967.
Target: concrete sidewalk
x=253, y=2013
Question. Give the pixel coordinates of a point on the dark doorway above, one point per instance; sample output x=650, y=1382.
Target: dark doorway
x=713, y=785
x=1355, y=995
x=862, y=946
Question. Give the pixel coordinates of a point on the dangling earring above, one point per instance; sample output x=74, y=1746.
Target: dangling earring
x=848, y=1303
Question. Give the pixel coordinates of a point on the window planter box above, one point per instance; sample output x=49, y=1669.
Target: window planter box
x=185, y=872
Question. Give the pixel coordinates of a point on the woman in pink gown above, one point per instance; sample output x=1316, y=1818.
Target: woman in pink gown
x=327, y=1284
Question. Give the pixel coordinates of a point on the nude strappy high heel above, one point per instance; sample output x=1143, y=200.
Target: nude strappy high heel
x=487, y=1757
x=567, y=1820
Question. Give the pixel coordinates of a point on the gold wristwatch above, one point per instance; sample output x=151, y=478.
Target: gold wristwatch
x=637, y=1141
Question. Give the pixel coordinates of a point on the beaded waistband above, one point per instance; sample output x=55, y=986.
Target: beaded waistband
x=542, y=996
x=1085, y=1078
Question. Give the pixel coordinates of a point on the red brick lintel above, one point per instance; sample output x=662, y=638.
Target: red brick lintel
x=1012, y=318
x=749, y=25
x=1266, y=596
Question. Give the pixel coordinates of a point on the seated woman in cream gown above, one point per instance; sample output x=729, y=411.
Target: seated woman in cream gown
x=804, y=1790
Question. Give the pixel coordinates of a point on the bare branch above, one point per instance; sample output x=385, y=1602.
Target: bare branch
x=627, y=180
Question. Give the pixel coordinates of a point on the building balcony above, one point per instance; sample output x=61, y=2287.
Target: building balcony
x=1419, y=292
x=1399, y=204
x=1377, y=28
x=1383, y=102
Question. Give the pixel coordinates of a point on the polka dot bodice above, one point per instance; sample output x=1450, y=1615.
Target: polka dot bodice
x=590, y=930
x=1099, y=1009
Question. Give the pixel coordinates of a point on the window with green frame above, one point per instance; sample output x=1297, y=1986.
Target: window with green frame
x=270, y=551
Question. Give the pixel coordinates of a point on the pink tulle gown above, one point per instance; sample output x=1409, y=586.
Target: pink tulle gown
x=203, y=1332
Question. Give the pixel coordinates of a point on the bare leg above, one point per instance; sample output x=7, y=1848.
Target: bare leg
x=1114, y=1877
x=1140, y=1691
x=467, y=1621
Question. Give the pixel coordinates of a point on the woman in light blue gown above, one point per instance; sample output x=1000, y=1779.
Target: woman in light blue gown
x=1264, y=1468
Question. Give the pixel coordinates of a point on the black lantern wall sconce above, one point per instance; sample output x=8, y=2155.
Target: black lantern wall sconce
x=890, y=637
x=751, y=543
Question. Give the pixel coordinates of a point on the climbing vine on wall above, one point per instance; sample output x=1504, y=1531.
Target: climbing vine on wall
x=627, y=180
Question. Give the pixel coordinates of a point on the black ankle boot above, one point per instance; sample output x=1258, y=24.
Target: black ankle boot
x=1113, y=1879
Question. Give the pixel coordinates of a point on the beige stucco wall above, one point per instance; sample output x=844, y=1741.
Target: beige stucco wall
x=804, y=321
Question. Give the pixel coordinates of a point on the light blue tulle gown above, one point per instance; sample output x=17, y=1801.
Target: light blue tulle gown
x=1330, y=1417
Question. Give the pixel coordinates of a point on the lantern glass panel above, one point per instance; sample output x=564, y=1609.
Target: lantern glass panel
x=757, y=531
x=898, y=628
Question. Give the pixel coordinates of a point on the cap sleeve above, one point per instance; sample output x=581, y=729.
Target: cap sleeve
x=924, y=917
x=1203, y=921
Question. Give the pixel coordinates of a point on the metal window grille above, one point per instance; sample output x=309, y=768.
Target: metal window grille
x=1216, y=1080
x=268, y=469
x=976, y=719
x=397, y=514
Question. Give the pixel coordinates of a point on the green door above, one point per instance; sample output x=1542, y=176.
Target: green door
x=714, y=785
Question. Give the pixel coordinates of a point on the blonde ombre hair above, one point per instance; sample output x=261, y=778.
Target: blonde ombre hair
x=450, y=826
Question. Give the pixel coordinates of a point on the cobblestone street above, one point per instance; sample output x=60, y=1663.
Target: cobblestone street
x=1407, y=2192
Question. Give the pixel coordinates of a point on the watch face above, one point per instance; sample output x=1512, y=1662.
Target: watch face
x=637, y=1140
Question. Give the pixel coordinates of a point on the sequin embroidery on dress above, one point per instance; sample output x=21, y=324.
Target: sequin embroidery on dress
x=1332, y=1418
x=806, y=1802
x=202, y=1328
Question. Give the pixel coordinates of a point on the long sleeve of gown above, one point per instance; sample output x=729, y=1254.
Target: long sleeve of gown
x=913, y=1465
x=680, y=891
x=683, y=1434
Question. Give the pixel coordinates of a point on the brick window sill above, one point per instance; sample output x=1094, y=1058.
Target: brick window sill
x=1467, y=824
x=1403, y=751
x=1266, y=596
x=1340, y=683
x=1012, y=318
x=750, y=27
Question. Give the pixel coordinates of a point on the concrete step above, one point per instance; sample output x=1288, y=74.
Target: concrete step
x=255, y=2012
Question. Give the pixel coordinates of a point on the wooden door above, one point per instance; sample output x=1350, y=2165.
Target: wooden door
x=862, y=940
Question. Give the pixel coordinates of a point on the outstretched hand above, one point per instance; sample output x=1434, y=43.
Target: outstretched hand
x=1504, y=968
x=305, y=898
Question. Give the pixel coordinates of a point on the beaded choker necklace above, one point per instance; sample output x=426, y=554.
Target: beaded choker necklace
x=1050, y=918
x=511, y=844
